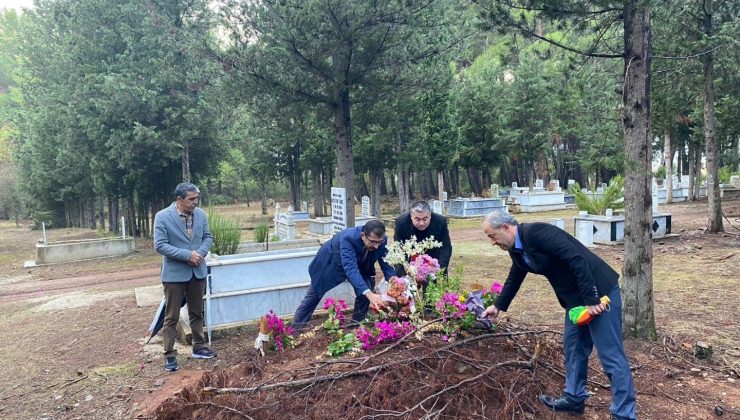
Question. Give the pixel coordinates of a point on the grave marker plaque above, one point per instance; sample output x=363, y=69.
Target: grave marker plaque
x=338, y=209
x=365, y=206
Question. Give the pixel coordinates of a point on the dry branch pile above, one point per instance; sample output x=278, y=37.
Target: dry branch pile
x=484, y=374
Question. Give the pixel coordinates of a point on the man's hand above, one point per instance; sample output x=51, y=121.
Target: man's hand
x=491, y=311
x=195, y=259
x=376, y=302
x=596, y=309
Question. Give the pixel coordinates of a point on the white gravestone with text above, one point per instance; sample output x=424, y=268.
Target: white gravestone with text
x=338, y=209
x=365, y=206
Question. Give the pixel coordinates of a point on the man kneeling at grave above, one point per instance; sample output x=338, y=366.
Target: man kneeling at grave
x=349, y=255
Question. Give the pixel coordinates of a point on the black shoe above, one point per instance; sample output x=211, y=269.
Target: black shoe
x=204, y=353
x=563, y=404
x=170, y=364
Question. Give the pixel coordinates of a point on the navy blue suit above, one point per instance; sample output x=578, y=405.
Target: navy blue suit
x=343, y=257
x=579, y=277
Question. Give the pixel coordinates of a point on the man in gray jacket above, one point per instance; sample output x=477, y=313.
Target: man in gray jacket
x=181, y=235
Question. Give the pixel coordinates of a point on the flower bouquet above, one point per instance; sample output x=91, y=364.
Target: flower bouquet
x=420, y=269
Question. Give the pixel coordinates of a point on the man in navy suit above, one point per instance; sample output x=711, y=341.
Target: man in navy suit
x=349, y=255
x=181, y=235
x=579, y=278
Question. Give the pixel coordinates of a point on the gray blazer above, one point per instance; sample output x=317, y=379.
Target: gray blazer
x=171, y=240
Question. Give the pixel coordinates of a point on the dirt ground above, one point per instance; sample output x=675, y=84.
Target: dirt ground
x=74, y=336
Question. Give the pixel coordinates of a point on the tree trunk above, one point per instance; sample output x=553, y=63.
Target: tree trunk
x=101, y=212
x=383, y=187
x=263, y=197
x=668, y=158
x=440, y=185
x=454, y=181
x=375, y=183
x=393, y=183
x=710, y=137
x=186, y=163
x=345, y=165
x=318, y=195
x=692, y=170
x=638, y=313
x=404, y=186
x=475, y=183
x=361, y=185
x=424, y=190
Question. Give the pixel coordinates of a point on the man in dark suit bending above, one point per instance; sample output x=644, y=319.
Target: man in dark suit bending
x=579, y=278
x=422, y=223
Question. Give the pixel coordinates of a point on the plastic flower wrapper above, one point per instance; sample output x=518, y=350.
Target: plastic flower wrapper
x=399, y=293
x=475, y=305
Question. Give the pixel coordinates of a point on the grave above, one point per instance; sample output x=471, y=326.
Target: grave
x=475, y=207
x=538, y=198
x=610, y=229
x=243, y=287
x=85, y=249
x=284, y=224
x=321, y=225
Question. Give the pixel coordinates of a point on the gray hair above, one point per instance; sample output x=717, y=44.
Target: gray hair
x=421, y=207
x=497, y=218
x=184, y=188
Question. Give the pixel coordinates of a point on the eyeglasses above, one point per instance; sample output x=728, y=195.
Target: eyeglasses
x=372, y=241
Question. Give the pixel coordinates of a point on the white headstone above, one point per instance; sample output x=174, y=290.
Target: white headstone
x=514, y=185
x=735, y=181
x=494, y=190
x=600, y=190
x=285, y=227
x=558, y=222
x=290, y=209
x=585, y=232
x=609, y=212
x=277, y=211
x=437, y=206
x=338, y=209
x=554, y=185
x=655, y=202
x=604, y=185
x=304, y=206
x=571, y=183
x=539, y=183
x=444, y=195
x=365, y=206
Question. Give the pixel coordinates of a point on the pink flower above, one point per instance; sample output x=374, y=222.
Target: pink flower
x=496, y=288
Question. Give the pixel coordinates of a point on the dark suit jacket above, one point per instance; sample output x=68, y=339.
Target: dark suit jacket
x=437, y=228
x=341, y=258
x=578, y=276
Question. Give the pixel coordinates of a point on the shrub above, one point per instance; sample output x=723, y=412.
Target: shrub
x=260, y=232
x=226, y=233
x=612, y=198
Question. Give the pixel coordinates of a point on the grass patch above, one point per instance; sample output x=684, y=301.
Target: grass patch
x=122, y=370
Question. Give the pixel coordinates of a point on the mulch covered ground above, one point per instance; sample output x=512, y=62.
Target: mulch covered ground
x=484, y=374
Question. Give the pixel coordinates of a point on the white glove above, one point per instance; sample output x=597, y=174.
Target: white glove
x=262, y=338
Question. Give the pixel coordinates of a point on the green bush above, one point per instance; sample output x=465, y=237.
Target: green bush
x=612, y=198
x=42, y=216
x=725, y=173
x=660, y=173
x=226, y=233
x=260, y=232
